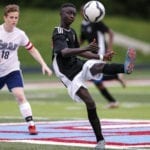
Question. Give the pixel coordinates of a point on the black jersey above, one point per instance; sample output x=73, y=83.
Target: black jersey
x=63, y=38
x=89, y=31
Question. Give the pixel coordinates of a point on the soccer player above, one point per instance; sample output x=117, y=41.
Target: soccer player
x=99, y=31
x=74, y=71
x=11, y=38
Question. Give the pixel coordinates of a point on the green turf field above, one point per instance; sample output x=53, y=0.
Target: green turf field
x=19, y=146
x=53, y=103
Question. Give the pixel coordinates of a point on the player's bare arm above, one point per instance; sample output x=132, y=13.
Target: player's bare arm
x=108, y=55
x=78, y=51
x=89, y=55
x=92, y=47
x=37, y=56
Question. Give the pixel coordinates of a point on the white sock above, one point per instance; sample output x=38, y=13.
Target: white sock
x=25, y=109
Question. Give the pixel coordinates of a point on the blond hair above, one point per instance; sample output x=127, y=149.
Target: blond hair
x=11, y=8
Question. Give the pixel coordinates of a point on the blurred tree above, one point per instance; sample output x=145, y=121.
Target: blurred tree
x=138, y=8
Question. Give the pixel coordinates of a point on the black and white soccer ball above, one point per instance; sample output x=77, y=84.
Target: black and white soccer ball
x=93, y=11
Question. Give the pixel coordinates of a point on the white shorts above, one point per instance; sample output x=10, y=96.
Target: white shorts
x=79, y=80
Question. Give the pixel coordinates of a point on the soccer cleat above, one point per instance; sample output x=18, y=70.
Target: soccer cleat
x=100, y=145
x=32, y=130
x=129, y=61
x=113, y=105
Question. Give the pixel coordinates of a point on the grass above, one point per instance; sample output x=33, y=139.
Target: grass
x=37, y=76
x=55, y=104
x=20, y=146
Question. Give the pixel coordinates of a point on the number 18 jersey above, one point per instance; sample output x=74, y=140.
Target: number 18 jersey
x=9, y=44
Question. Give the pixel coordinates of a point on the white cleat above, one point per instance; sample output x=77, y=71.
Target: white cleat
x=112, y=105
x=100, y=145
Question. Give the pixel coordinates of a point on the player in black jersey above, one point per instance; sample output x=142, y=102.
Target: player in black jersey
x=99, y=31
x=73, y=71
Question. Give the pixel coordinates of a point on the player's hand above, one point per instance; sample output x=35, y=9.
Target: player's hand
x=46, y=69
x=108, y=55
x=93, y=46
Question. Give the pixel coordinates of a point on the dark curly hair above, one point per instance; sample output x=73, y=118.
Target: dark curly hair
x=67, y=5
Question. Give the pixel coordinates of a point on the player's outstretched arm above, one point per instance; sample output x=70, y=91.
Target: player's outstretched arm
x=108, y=55
x=92, y=47
x=37, y=56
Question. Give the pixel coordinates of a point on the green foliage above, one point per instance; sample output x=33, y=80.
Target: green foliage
x=140, y=8
x=132, y=9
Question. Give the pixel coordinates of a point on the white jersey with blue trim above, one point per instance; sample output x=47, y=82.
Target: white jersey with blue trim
x=9, y=44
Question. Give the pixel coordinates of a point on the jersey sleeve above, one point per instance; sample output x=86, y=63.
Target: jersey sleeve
x=59, y=40
x=25, y=41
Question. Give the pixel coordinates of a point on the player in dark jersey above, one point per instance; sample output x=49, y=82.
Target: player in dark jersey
x=74, y=71
x=98, y=31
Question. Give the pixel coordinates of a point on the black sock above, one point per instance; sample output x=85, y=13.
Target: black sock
x=29, y=118
x=113, y=69
x=94, y=120
x=107, y=95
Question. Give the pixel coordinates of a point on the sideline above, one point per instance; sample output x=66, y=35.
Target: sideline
x=45, y=85
x=53, y=84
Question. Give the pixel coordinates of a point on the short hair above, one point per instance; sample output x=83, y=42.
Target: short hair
x=67, y=5
x=11, y=8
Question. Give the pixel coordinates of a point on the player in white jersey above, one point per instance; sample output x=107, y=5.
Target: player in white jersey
x=11, y=38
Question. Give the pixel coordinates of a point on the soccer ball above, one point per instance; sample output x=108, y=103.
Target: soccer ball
x=93, y=11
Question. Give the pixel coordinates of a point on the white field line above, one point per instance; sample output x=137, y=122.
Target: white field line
x=108, y=83
x=14, y=117
x=80, y=144
x=75, y=121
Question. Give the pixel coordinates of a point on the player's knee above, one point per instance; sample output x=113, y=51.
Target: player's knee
x=20, y=98
x=97, y=68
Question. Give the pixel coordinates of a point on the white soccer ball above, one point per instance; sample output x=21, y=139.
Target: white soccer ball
x=93, y=11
